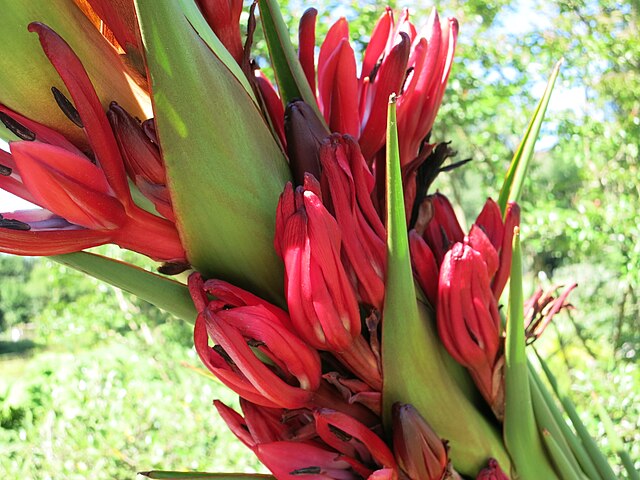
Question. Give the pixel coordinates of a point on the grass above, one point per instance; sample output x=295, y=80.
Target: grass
x=104, y=399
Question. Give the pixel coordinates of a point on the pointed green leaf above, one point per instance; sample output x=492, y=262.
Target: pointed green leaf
x=156, y=474
x=291, y=80
x=546, y=422
x=225, y=169
x=599, y=460
x=520, y=431
x=570, y=437
x=417, y=369
x=564, y=467
x=27, y=76
x=160, y=291
x=510, y=191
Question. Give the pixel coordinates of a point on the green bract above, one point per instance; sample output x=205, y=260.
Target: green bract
x=224, y=167
x=417, y=369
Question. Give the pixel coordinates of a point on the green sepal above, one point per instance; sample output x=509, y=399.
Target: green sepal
x=521, y=435
x=26, y=75
x=291, y=80
x=512, y=186
x=164, y=293
x=599, y=460
x=417, y=370
x=224, y=168
x=167, y=475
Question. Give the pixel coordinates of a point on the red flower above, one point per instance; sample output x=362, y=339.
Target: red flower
x=322, y=303
x=86, y=199
x=347, y=186
x=468, y=320
x=421, y=454
x=492, y=472
x=294, y=371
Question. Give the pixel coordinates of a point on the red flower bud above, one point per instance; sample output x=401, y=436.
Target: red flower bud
x=492, y=472
x=338, y=82
x=443, y=229
x=421, y=454
x=322, y=303
x=425, y=267
x=347, y=182
x=468, y=319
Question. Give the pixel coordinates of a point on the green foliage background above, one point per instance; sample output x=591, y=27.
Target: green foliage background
x=97, y=384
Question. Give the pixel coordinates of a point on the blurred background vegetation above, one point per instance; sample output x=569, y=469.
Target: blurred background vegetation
x=97, y=384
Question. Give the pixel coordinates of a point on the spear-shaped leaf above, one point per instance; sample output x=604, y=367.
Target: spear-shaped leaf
x=520, y=431
x=570, y=437
x=589, y=443
x=552, y=433
x=167, y=475
x=292, y=82
x=225, y=170
x=510, y=191
x=160, y=291
x=562, y=463
x=416, y=368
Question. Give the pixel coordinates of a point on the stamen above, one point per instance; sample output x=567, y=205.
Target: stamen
x=406, y=77
x=13, y=224
x=5, y=171
x=17, y=128
x=344, y=436
x=173, y=268
x=306, y=471
x=67, y=107
x=453, y=166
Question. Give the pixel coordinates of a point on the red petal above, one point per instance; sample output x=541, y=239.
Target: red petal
x=86, y=101
x=490, y=220
x=307, y=45
x=382, y=35
x=68, y=185
x=51, y=242
x=388, y=80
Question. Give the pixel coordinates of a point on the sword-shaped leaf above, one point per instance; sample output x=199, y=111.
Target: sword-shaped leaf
x=510, y=191
x=521, y=435
x=160, y=291
x=416, y=368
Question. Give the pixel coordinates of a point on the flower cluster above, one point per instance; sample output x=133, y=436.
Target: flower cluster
x=471, y=273
x=302, y=341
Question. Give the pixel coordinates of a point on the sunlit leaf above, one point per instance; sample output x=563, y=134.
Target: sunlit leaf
x=417, y=369
x=160, y=291
x=510, y=191
x=521, y=435
x=225, y=169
